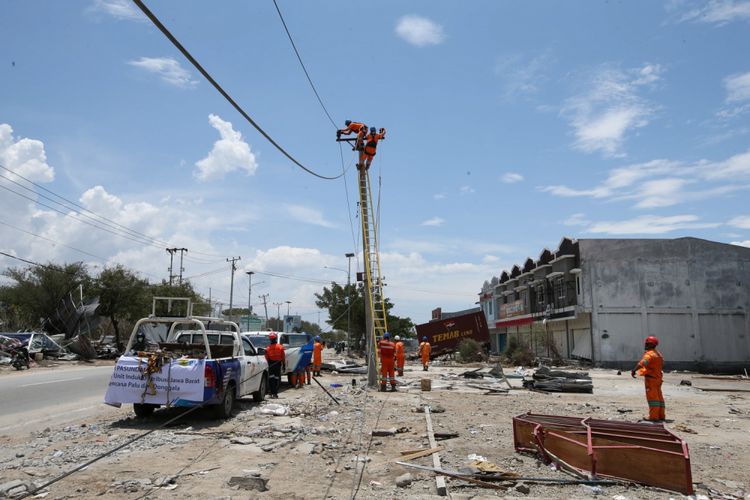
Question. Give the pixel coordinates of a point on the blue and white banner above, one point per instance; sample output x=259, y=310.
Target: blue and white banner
x=177, y=379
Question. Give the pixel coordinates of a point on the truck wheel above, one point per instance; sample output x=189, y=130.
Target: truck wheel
x=260, y=394
x=225, y=408
x=143, y=410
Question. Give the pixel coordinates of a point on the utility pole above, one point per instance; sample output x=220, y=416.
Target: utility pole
x=278, y=314
x=249, y=295
x=210, y=311
x=182, y=269
x=348, y=305
x=288, y=305
x=265, y=306
x=233, y=260
x=171, y=252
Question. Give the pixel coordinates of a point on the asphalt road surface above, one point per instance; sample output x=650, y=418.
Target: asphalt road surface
x=34, y=399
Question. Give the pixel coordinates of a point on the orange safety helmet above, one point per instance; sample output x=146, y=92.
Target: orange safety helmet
x=272, y=336
x=652, y=340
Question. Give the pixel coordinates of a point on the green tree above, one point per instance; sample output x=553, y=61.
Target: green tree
x=38, y=291
x=311, y=328
x=123, y=296
x=335, y=300
x=164, y=289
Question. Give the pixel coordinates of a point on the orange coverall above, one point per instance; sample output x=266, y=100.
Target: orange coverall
x=371, y=146
x=650, y=367
x=359, y=128
x=317, y=358
x=424, y=351
x=387, y=351
x=400, y=358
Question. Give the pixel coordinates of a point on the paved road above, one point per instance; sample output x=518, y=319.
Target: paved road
x=35, y=399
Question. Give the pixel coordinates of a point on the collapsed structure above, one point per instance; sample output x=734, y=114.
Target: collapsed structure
x=597, y=299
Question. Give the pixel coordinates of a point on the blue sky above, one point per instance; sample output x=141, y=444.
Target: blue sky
x=510, y=125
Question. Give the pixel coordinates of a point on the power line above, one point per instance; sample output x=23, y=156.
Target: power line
x=299, y=58
x=226, y=96
x=53, y=241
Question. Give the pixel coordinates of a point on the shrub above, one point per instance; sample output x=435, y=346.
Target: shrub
x=470, y=350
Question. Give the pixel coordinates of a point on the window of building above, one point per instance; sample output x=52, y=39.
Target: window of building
x=540, y=299
x=560, y=288
x=489, y=308
x=578, y=284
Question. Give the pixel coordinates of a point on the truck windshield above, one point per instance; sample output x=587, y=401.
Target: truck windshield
x=259, y=340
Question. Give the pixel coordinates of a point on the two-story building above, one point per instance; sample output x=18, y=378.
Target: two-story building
x=597, y=299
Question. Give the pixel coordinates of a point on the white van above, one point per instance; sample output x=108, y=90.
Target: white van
x=298, y=347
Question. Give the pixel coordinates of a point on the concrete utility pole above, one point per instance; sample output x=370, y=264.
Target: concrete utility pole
x=210, y=310
x=288, y=306
x=233, y=260
x=348, y=305
x=265, y=306
x=171, y=252
x=182, y=269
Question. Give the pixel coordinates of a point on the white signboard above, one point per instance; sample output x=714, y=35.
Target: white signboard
x=177, y=379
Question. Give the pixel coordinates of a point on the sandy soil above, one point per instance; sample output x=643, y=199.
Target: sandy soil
x=318, y=449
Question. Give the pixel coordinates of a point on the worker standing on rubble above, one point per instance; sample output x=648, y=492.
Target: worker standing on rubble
x=387, y=354
x=371, y=146
x=399, y=356
x=276, y=362
x=317, y=356
x=650, y=367
x=353, y=127
x=424, y=352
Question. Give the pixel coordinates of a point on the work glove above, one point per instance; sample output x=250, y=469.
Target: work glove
x=338, y=134
x=632, y=373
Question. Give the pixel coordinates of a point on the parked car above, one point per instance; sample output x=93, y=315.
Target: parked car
x=298, y=348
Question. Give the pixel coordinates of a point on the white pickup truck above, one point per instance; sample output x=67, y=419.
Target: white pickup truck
x=204, y=361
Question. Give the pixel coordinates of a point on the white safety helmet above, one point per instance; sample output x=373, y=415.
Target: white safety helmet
x=397, y=337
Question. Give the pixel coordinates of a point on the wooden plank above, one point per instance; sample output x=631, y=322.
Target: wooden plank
x=421, y=453
x=716, y=389
x=442, y=489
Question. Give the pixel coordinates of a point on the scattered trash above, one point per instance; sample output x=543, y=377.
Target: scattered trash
x=404, y=480
x=684, y=428
x=249, y=483
x=336, y=385
x=548, y=380
x=476, y=458
x=385, y=432
x=624, y=410
x=274, y=409
x=375, y=484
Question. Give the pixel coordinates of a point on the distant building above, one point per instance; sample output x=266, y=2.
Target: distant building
x=597, y=299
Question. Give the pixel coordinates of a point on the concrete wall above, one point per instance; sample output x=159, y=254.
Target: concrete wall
x=693, y=294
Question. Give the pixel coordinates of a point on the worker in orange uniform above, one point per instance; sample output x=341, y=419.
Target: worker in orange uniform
x=387, y=357
x=650, y=367
x=353, y=128
x=424, y=352
x=399, y=356
x=276, y=362
x=317, y=356
x=371, y=146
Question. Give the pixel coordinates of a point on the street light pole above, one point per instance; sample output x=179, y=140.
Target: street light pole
x=249, y=295
x=348, y=305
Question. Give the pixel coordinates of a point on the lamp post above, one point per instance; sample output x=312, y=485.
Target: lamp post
x=348, y=306
x=249, y=295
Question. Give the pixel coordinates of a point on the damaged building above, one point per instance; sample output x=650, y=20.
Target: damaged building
x=597, y=299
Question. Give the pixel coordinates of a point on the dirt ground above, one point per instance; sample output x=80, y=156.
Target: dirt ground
x=324, y=450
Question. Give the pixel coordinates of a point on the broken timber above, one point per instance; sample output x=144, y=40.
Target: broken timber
x=412, y=454
x=442, y=490
x=643, y=453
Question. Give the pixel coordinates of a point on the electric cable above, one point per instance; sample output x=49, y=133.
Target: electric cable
x=52, y=241
x=299, y=58
x=223, y=92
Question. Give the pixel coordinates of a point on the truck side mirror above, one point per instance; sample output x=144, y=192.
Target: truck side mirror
x=261, y=351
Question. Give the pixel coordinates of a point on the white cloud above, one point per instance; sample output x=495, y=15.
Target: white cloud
x=419, y=31
x=511, y=177
x=662, y=183
x=308, y=215
x=435, y=221
x=521, y=75
x=738, y=87
x=745, y=243
x=24, y=156
x=168, y=69
x=650, y=224
x=119, y=9
x=230, y=153
x=466, y=190
x=719, y=12
x=610, y=108
x=439, y=196
x=741, y=221
x=576, y=220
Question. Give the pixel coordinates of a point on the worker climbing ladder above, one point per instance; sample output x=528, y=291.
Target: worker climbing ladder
x=375, y=301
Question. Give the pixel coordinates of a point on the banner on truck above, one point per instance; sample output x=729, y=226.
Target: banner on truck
x=177, y=379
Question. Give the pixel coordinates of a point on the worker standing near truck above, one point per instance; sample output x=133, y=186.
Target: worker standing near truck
x=399, y=356
x=276, y=361
x=424, y=352
x=317, y=356
x=651, y=368
x=387, y=357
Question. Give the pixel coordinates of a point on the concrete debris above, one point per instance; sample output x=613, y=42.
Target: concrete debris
x=275, y=409
x=433, y=409
x=522, y=489
x=548, y=380
x=404, y=480
x=242, y=440
x=385, y=432
x=248, y=483
x=686, y=382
